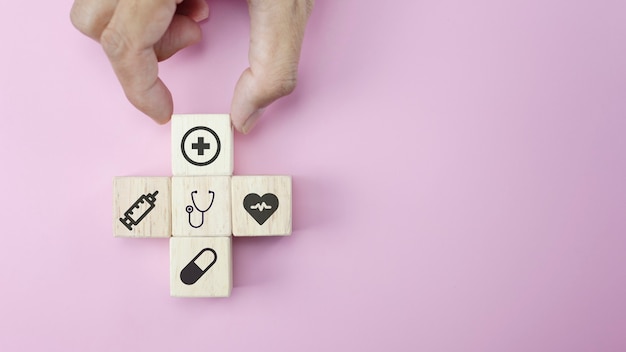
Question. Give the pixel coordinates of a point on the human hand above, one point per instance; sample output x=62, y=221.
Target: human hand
x=137, y=34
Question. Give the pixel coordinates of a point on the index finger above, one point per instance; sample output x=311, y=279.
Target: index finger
x=128, y=41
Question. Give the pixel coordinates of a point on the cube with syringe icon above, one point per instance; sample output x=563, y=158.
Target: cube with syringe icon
x=142, y=207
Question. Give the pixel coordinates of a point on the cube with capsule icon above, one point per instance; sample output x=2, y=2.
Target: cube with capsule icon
x=201, y=266
x=141, y=207
x=202, y=144
x=201, y=206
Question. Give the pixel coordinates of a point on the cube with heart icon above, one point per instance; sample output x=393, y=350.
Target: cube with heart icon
x=261, y=205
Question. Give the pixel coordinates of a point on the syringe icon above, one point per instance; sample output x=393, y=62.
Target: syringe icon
x=139, y=210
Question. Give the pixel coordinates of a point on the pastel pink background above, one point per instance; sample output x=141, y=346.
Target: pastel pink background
x=459, y=174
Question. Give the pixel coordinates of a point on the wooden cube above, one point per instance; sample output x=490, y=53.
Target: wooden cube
x=202, y=145
x=200, y=266
x=141, y=207
x=201, y=206
x=261, y=205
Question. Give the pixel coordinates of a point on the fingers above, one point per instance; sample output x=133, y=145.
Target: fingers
x=197, y=10
x=135, y=35
x=182, y=32
x=128, y=40
x=90, y=17
x=276, y=34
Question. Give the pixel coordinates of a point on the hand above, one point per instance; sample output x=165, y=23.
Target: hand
x=137, y=34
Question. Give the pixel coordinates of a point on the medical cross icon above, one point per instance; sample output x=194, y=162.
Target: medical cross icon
x=200, y=146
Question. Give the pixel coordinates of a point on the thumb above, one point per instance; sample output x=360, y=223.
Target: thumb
x=276, y=34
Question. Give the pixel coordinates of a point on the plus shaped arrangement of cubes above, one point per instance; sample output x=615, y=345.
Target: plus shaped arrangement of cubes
x=201, y=206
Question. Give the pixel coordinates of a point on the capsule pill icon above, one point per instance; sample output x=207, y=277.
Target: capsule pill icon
x=198, y=266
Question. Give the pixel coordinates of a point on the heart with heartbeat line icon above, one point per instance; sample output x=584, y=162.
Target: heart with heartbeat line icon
x=260, y=207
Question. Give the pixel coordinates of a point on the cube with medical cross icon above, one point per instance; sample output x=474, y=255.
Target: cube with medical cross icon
x=201, y=206
x=202, y=145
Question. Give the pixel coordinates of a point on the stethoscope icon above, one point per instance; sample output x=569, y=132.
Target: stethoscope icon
x=189, y=209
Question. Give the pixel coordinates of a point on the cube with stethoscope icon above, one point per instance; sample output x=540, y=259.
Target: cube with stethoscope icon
x=201, y=206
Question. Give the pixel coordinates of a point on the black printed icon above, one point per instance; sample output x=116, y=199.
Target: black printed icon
x=200, y=146
x=193, y=271
x=139, y=210
x=260, y=207
x=190, y=208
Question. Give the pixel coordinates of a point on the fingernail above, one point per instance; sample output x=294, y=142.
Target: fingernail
x=202, y=15
x=251, y=120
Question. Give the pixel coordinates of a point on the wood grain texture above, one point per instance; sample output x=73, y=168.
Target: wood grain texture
x=141, y=207
x=201, y=206
x=253, y=210
x=192, y=255
x=202, y=144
